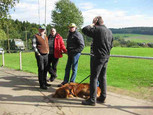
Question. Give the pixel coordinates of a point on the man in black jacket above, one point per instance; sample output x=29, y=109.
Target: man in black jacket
x=101, y=46
x=75, y=45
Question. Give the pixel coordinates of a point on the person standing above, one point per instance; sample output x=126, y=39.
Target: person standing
x=75, y=44
x=41, y=48
x=56, y=49
x=101, y=47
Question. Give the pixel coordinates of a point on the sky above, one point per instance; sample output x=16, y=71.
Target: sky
x=115, y=13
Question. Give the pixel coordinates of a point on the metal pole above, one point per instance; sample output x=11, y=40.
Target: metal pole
x=123, y=56
x=45, y=11
x=3, y=58
x=38, y=12
x=138, y=57
x=20, y=60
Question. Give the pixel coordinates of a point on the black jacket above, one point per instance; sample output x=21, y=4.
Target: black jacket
x=75, y=43
x=102, y=40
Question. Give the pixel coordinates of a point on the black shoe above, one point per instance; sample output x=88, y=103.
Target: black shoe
x=88, y=102
x=60, y=85
x=48, y=85
x=52, y=78
x=43, y=87
x=100, y=100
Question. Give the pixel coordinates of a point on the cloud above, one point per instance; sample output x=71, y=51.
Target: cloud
x=27, y=10
x=86, y=6
x=115, y=1
x=117, y=19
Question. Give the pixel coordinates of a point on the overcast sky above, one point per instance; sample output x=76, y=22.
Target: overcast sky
x=116, y=13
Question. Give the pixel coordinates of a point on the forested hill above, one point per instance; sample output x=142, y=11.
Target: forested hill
x=133, y=30
x=18, y=29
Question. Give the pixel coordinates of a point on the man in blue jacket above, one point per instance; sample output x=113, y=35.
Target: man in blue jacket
x=101, y=46
x=75, y=45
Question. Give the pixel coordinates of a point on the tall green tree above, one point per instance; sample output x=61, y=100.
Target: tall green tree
x=5, y=5
x=65, y=13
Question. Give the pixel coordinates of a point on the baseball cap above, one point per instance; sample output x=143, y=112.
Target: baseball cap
x=42, y=27
x=72, y=25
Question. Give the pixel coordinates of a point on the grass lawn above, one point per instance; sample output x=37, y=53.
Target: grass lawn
x=129, y=74
x=136, y=37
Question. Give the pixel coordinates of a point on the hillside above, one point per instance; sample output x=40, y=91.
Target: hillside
x=134, y=30
x=139, y=38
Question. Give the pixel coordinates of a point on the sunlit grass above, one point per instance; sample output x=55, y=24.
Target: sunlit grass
x=125, y=73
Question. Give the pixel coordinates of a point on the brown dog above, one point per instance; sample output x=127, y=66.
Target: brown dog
x=74, y=90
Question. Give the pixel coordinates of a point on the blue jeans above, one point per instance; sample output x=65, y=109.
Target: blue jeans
x=72, y=61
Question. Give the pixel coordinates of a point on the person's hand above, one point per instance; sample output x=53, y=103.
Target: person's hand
x=92, y=25
x=38, y=54
x=95, y=20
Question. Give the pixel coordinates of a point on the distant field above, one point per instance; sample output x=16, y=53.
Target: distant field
x=136, y=37
x=130, y=74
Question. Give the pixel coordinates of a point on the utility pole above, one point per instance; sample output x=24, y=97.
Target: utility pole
x=45, y=15
x=45, y=11
x=39, y=11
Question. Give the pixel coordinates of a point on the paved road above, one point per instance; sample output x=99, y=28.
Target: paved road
x=20, y=95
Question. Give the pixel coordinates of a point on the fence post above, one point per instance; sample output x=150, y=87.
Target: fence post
x=3, y=64
x=20, y=60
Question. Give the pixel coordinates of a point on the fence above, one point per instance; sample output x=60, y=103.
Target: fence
x=121, y=56
x=20, y=58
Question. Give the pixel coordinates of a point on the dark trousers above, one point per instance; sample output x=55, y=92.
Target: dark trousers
x=52, y=65
x=42, y=63
x=98, y=73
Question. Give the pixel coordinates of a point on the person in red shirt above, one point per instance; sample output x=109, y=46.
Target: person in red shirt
x=56, y=49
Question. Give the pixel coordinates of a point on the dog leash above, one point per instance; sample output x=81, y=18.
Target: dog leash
x=84, y=79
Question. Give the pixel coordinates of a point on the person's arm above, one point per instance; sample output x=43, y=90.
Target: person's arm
x=80, y=43
x=34, y=44
x=88, y=30
x=62, y=45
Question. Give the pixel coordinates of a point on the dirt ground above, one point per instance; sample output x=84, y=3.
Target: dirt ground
x=145, y=94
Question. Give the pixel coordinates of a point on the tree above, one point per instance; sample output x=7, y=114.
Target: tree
x=5, y=5
x=65, y=13
x=2, y=35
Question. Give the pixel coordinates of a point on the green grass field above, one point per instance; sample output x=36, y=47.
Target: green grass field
x=129, y=74
x=136, y=37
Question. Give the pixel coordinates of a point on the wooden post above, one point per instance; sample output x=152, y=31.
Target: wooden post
x=3, y=58
x=20, y=60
